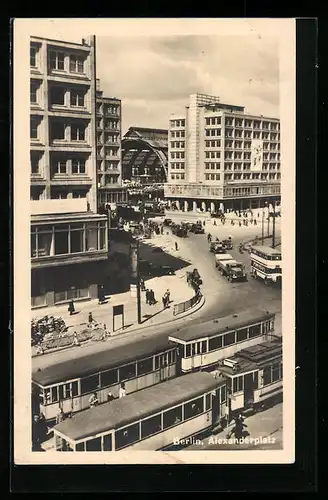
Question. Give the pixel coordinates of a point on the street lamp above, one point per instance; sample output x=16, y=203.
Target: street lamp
x=274, y=224
x=134, y=259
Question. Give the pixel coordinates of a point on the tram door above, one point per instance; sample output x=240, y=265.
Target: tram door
x=216, y=406
x=248, y=390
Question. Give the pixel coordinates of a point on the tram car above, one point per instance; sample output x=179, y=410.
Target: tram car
x=68, y=385
x=254, y=377
x=203, y=346
x=151, y=419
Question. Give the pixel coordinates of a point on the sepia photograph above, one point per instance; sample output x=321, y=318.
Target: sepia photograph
x=154, y=213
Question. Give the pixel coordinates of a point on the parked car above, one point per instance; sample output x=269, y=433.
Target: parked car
x=148, y=269
x=197, y=229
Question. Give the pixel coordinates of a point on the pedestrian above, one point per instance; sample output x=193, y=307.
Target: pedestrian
x=101, y=295
x=147, y=297
x=75, y=339
x=122, y=391
x=152, y=297
x=162, y=229
x=164, y=301
x=209, y=237
x=214, y=222
x=176, y=246
x=71, y=308
x=168, y=296
x=90, y=318
x=142, y=284
x=59, y=416
x=110, y=397
x=204, y=222
x=255, y=222
x=93, y=400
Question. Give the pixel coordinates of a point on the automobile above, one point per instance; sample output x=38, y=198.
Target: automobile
x=216, y=247
x=167, y=222
x=197, y=229
x=148, y=269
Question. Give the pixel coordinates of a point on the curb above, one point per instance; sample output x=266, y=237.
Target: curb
x=190, y=311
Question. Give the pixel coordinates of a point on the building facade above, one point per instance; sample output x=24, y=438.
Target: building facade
x=109, y=133
x=222, y=158
x=68, y=239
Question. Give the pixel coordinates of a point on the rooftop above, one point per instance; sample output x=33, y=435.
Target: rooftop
x=221, y=325
x=137, y=405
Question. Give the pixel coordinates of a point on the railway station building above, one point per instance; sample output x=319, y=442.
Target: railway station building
x=221, y=158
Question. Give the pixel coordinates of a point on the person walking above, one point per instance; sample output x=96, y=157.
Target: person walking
x=90, y=318
x=71, y=308
x=176, y=246
x=75, y=339
x=167, y=297
x=164, y=301
x=152, y=298
x=122, y=391
x=59, y=416
x=101, y=295
x=148, y=296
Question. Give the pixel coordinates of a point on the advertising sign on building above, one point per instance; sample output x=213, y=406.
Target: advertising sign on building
x=257, y=155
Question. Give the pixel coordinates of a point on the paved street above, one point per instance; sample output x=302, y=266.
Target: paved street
x=265, y=432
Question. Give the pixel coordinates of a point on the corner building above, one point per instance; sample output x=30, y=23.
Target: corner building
x=221, y=158
x=68, y=238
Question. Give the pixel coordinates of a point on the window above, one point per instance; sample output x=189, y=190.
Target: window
x=57, y=96
x=61, y=239
x=79, y=447
x=78, y=132
x=208, y=402
x=267, y=375
x=78, y=166
x=145, y=366
x=33, y=52
x=127, y=435
x=107, y=442
x=275, y=373
x=34, y=158
x=102, y=236
x=57, y=131
x=172, y=417
x=151, y=426
x=54, y=394
x=215, y=343
x=223, y=395
x=193, y=408
x=34, y=123
x=255, y=331
x=241, y=334
x=93, y=444
x=238, y=384
x=188, y=350
x=127, y=372
x=33, y=92
x=229, y=339
x=57, y=60
x=77, y=238
x=91, y=237
x=77, y=98
x=59, y=167
x=89, y=384
x=109, y=377
x=255, y=380
x=76, y=64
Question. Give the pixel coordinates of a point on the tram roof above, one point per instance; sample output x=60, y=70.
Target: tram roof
x=98, y=361
x=266, y=249
x=220, y=325
x=254, y=357
x=137, y=405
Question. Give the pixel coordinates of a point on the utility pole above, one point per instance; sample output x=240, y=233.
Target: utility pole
x=134, y=253
x=274, y=224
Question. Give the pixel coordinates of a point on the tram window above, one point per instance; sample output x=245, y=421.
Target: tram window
x=127, y=372
x=238, y=384
x=172, y=357
x=215, y=343
x=126, y=436
x=272, y=325
x=193, y=349
x=145, y=366
x=229, y=339
x=193, y=408
x=188, y=350
x=163, y=360
x=254, y=330
x=208, y=402
x=235, y=385
x=241, y=334
x=79, y=447
x=54, y=394
x=89, y=384
x=109, y=377
x=156, y=362
x=61, y=392
x=75, y=389
x=151, y=426
x=256, y=380
x=228, y=384
x=107, y=442
x=93, y=444
x=66, y=446
x=67, y=391
x=47, y=396
x=275, y=373
x=223, y=395
x=172, y=417
x=267, y=375
x=204, y=346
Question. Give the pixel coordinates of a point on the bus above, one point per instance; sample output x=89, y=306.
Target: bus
x=266, y=264
x=203, y=346
x=151, y=419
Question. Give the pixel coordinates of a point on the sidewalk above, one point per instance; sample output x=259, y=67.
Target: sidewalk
x=103, y=314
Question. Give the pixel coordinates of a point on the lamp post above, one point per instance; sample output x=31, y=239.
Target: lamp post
x=262, y=226
x=134, y=258
x=274, y=224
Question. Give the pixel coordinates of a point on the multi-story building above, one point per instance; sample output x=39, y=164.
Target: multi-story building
x=222, y=158
x=109, y=132
x=68, y=238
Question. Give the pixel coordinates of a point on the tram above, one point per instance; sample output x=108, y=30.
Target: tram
x=170, y=415
x=151, y=419
x=203, y=346
x=69, y=384
x=266, y=264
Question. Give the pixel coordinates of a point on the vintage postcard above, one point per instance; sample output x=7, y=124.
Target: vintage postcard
x=154, y=210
